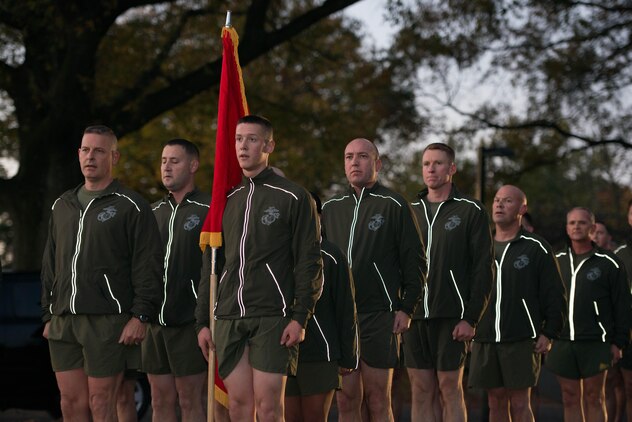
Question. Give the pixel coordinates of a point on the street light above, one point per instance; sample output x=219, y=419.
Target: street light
x=483, y=153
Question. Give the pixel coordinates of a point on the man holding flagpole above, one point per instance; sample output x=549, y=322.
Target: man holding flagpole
x=270, y=278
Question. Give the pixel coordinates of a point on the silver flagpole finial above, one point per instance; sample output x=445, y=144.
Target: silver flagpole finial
x=227, y=19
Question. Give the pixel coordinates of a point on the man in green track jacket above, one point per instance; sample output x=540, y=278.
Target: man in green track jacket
x=525, y=313
x=270, y=276
x=101, y=284
x=376, y=229
x=598, y=320
x=458, y=243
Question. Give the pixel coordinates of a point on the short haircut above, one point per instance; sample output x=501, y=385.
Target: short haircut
x=441, y=147
x=189, y=147
x=261, y=121
x=590, y=213
x=102, y=130
x=629, y=204
x=603, y=224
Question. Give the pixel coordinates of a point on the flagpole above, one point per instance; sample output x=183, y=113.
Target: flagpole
x=211, y=353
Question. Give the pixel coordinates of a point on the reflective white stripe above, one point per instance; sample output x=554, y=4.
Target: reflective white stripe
x=620, y=248
x=330, y=256
x=571, y=296
x=499, y=291
x=75, y=258
x=242, y=251
x=190, y=201
x=129, y=199
x=354, y=221
x=278, y=288
x=608, y=258
x=536, y=241
x=390, y=302
x=314, y=319
x=428, y=248
x=193, y=289
x=107, y=282
x=235, y=191
x=386, y=197
x=336, y=200
x=603, y=330
x=281, y=189
x=458, y=293
x=165, y=278
x=467, y=200
x=526, y=308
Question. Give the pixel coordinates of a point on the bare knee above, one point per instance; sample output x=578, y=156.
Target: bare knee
x=377, y=400
x=497, y=399
x=74, y=405
x=347, y=402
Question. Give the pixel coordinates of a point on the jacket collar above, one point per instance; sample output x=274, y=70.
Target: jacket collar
x=365, y=191
x=454, y=193
x=264, y=175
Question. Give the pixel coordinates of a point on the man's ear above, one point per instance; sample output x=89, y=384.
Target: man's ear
x=116, y=155
x=194, y=166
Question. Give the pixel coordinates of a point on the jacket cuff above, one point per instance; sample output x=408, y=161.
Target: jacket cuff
x=301, y=318
x=470, y=321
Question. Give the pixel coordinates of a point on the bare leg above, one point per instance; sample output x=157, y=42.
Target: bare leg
x=269, y=390
x=520, y=405
x=190, y=397
x=377, y=387
x=571, y=399
x=349, y=399
x=163, y=397
x=425, y=394
x=103, y=397
x=241, y=396
x=451, y=387
x=73, y=387
x=125, y=402
x=594, y=397
x=498, y=401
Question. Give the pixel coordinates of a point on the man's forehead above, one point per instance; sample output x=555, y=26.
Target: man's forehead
x=173, y=151
x=435, y=154
x=359, y=145
x=578, y=215
x=96, y=140
x=249, y=129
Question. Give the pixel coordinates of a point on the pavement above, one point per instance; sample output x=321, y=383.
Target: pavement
x=546, y=402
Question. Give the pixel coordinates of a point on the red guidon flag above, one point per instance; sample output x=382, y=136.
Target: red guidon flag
x=227, y=173
x=231, y=107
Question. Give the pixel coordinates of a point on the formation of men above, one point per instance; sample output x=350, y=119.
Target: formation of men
x=302, y=312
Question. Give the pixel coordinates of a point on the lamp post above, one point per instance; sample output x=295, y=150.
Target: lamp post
x=483, y=153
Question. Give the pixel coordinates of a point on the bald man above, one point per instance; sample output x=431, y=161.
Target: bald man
x=525, y=312
x=376, y=228
x=598, y=320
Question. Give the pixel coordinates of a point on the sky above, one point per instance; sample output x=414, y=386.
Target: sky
x=371, y=12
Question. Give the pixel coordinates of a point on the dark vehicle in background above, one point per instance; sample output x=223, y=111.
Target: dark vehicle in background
x=27, y=380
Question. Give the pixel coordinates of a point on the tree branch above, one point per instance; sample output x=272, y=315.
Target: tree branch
x=544, y=124
x=182, y=89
